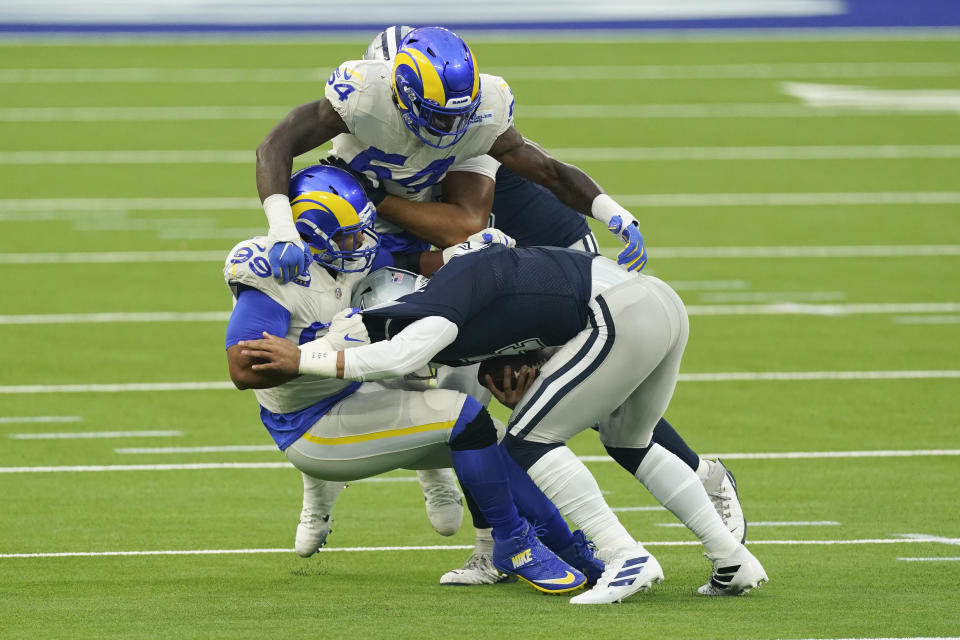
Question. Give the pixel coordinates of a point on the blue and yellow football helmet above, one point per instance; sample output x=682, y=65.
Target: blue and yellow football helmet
x=334, y=216
x=436, y=85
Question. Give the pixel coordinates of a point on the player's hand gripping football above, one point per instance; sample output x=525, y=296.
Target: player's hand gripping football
x=633, y=257
x=514, y=386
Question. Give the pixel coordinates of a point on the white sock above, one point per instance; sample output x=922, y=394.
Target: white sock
x=319, y=495
x=568, y=483
x=703, y=470
x=679, y=489
x=484, y=541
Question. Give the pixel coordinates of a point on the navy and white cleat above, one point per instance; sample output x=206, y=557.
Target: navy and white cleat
x=527, y=558
x=735, y=575
x=580, y=554
x=631, y=570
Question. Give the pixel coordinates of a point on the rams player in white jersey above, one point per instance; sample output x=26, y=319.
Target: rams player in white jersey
x=343, y=431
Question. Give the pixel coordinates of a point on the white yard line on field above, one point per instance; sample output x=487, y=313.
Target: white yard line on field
x=246, y=76
x=232, y=448
x=20, y=209
x=85, y=435
x=738, y=376
x=38, y=419
x=213, y=466
x=575, y=154
x=222, y=113
x=197, y=552
x=754, y=523
x=778, y=308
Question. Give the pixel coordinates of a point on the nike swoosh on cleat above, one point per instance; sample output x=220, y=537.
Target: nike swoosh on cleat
x=567, y=579
x=347, y=337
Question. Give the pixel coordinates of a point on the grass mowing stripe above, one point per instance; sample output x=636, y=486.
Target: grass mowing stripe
x=772, y=110
x=561, y=73
x=210, y=466
x=578, y=154
x=739, y=376
x=662, y=253
x=38, y=419
x=194, y=552
x=780, y=308
x=16, y=208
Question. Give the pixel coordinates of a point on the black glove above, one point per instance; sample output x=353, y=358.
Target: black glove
x=374, y=189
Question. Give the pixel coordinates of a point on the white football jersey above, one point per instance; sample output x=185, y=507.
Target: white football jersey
x=312, y=300
x=379, y=143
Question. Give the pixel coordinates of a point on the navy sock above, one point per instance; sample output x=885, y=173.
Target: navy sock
x=668, y=438
x=536, y=507
x=482, y=473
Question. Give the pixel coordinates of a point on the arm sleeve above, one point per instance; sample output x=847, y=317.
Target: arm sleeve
x=255, y=313
x=406, y=352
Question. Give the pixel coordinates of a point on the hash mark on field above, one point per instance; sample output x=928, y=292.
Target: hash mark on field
x=81, y=435
x=945, y=559
x=194, y=552
x=26, y=419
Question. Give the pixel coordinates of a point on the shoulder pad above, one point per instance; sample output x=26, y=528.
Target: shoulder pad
x=247, y=264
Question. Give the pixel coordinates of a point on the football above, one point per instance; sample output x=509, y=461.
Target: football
x=494, y=368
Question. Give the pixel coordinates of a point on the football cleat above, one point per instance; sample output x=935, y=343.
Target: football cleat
x=735, y=575
x=318, y=499
x=581, y=554
x=527, y=558
x=444, y=502
x=478, y=569
x=630, y=571
x=721, y=487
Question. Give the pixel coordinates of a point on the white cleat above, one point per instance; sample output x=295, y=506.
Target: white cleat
x=631, y=570
x=443, y=499
x=721, y=487
x=478, y=569
x=319, y=497
x=735, y=575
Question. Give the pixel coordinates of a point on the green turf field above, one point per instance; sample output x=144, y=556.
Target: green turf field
x=821, y=244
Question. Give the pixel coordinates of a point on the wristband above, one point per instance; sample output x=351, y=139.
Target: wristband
x=604, y=208
x=316, y=359
x=280, y=219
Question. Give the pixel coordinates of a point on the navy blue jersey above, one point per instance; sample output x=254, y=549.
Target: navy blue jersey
x=502, y=300
x=532, y=215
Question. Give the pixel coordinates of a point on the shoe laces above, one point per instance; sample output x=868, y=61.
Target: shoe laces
x=438, y=493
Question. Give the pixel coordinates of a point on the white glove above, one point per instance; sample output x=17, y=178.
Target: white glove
x=479, y=240
x=347, y=330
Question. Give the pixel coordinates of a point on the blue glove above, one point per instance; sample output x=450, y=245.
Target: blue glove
x=634, y=255
x=288, y=260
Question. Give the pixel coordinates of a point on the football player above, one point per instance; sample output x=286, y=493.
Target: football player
x=620, y=337
x=338, y=430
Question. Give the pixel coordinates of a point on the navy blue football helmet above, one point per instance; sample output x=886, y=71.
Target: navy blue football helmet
x=334, y=216
x=436, y=85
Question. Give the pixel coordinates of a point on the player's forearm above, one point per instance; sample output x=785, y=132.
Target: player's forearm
x=439, y=223
x=408, y=351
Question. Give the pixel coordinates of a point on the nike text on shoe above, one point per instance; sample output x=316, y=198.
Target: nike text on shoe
x=721, y=487
x=478, y=569
x=735, y=575
x=443, y=499
x=312, y=532
x=580, y=554
x=630, y=571
x=527, y=558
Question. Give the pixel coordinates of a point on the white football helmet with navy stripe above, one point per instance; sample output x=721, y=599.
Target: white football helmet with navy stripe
x=385, y=44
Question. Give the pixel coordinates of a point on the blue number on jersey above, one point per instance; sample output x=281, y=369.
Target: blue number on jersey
x=343, y=90
x=428, y=176
x=261, y=267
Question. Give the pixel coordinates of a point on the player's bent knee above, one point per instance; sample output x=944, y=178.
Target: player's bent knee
x=628, y=457
x=527, y=453
x=474, y=428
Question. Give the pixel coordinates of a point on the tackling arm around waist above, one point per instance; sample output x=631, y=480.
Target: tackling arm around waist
x=406, y=352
